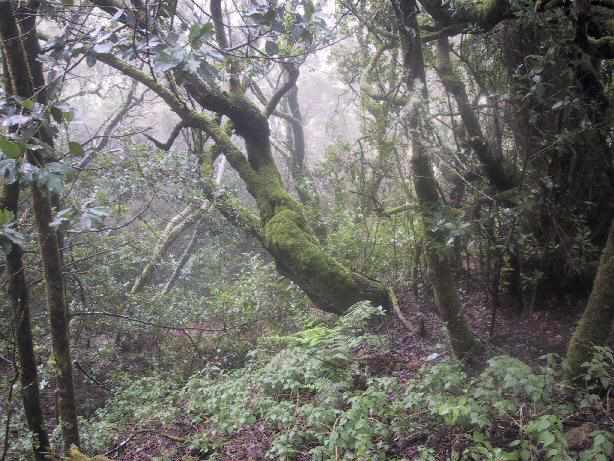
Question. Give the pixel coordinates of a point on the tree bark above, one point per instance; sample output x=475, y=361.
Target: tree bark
x=176, y=226
x=465, y=345
x=185, y=257
x=20, y=301
x=493, y=166
x=596, y=322
x=21, y=49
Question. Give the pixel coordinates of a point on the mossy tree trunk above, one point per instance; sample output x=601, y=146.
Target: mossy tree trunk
x=19, y=300
x=286, y=233
x=596, y=322
x=21, y=51
x=465, y=345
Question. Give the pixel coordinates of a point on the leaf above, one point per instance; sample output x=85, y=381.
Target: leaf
x=69, y=116
x=75, y=148
x=90, y=59
x=199, y=33
x=558, y=105
x=10, y=148
x=103, y=48
x=27, y=104
x=5, y=216
x=18, y=120
x=93, y=218
x=546, y=438
x=62, y=218
x=169, y=59
x=56, y=114
x=8, y=170
x=53, y=177
x=309, y=9
x=9, y=236
x=271, y=47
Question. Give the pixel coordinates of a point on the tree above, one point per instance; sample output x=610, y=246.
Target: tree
x=287, y=233
x=19, y=299
x=21, y=58
x=464, y=344
x=596, y=322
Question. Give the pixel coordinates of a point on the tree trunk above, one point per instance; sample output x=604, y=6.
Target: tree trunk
x=492, y=165
x=298, y=255
x=54, y=282
x=465, y=345
x=175, y=227
x=596, y=322
x=21, y=50
x=185, y=257
x=20, y=302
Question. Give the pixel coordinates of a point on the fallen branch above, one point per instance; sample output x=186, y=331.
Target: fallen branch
x=397, y=311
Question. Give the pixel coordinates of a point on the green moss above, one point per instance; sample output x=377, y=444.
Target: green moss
x=299, y=256
x=76, y=455
x=596, y=323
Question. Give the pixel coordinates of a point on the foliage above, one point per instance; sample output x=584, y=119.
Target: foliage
x=302, y=388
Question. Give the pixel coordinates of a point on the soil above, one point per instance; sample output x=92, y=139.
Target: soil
x=528, y=337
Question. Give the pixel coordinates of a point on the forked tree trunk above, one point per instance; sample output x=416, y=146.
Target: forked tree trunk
x=596, y=322
x=21, y=50
x=492, y=165
x=465, y=345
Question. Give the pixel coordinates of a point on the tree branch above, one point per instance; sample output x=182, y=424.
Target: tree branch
x=293, y=74
x=171, y=139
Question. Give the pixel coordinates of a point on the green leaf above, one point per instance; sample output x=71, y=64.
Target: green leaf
x=11, y=149
x=27, y=104
x=546, y=438
x=69, y=116
x=198, y=33
x=5, y=216
x=75, y=148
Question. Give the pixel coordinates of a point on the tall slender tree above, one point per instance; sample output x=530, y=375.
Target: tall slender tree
x=25, y=74
x=19, y=299
x=464, y=343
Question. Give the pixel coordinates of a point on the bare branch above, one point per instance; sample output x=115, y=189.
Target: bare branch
x=171, y=139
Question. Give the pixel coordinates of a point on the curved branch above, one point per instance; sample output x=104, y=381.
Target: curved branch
x=452, y=83
x=293, y=74
x=165, y=146
x=481, y=14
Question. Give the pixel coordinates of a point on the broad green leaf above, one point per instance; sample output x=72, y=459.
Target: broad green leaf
x=75, y=148
x=10, y=148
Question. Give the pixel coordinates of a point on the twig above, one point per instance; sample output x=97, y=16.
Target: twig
x=174, y=438
x=157, y=325
x=121, y=445
x=90, y=377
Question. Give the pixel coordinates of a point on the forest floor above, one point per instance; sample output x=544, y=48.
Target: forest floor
x=528, y=337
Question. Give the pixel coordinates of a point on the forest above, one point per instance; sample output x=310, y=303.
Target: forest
x=311, y=230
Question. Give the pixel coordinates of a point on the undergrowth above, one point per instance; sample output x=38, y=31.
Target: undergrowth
x=315, y=399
